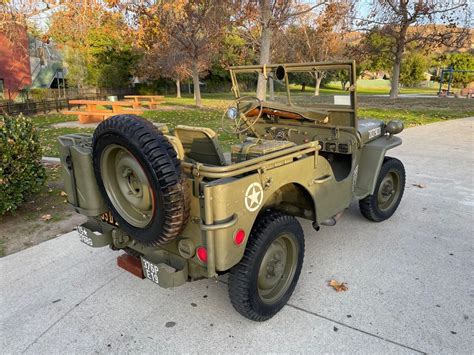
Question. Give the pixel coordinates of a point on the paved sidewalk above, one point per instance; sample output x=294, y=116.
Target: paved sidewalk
x=410, y=281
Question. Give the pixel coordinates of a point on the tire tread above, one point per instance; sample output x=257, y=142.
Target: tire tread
x=368, y=205
x=160, y=154
x=239, y=285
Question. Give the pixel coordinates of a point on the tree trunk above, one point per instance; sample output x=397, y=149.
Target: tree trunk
x=319, y=78
x=395, y=76
x=397, y=63
x=178, y=88
x=271, y=88
x=265, y=41
x=197, y=88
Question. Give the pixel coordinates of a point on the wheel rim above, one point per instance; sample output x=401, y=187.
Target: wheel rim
x=389, y=190
x=127, y=185
x=277, y=269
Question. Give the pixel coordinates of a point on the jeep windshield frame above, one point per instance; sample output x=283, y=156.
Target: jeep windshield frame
x=266, y=71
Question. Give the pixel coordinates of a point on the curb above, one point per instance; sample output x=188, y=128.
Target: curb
x=50, y=160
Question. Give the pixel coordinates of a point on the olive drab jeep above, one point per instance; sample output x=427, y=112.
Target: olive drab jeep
x=181, y=209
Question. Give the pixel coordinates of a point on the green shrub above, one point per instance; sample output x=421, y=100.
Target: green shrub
x=414, y=67
x=21, y=171
x=38, y=94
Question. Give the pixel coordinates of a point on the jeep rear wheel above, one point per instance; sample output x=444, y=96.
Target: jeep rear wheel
x=388, y=193
x=261, y=284
x=140, y=178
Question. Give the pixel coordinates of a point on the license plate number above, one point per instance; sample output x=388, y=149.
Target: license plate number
x=83, y=237
x=150, y=270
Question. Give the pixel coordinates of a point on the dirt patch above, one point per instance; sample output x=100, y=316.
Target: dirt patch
x=43, y=216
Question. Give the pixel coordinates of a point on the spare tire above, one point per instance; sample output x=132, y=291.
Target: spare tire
x=140, y=177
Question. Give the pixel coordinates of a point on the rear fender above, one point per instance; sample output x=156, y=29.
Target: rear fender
x=293, y=199
x=370, y=162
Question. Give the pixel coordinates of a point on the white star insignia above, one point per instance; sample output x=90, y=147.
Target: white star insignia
x=253, y=196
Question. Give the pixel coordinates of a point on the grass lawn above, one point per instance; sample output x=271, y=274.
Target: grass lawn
x=372, y=87
x=413, y=111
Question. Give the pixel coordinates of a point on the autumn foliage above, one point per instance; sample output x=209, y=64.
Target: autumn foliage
x=107, y=43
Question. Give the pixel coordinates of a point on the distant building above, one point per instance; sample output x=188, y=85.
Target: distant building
x=15, y=69
x=28, y=62
x=47, y=68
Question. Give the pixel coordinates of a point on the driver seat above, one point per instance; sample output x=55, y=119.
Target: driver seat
x=200, y=144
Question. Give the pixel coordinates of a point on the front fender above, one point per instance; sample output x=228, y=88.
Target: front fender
x=370, y=162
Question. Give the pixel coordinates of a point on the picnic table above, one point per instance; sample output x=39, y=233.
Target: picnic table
x=95, y=112
x=146, y=100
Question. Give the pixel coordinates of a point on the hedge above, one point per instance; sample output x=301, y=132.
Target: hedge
x=21, y=171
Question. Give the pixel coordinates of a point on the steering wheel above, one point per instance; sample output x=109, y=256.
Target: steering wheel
x=235, y=120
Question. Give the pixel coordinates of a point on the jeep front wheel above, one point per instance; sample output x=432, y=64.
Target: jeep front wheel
x=388, y=193
x=261, y=284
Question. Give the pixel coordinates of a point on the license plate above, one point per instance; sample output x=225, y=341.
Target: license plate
x=150, y=270
x=83, y=237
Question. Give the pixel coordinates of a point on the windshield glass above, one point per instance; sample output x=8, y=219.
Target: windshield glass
x=308, y=88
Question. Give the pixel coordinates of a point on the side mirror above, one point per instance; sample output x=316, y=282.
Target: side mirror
x=394, y=127
x=280, y=72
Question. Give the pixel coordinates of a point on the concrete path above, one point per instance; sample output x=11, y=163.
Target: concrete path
x=410, y=281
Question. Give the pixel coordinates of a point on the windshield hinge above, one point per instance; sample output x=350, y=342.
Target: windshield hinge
x=265, y=180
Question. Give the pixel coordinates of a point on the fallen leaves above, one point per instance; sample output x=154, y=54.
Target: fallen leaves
x=419, y=186
x=46, y=217
x=63, y=194
x=338, y=286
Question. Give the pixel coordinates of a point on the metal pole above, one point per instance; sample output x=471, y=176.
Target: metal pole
x=450, y=79
x=64, y=85
x=27, y=105
x=56, y=75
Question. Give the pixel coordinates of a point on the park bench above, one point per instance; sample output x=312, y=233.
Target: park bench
x=95, y=112
x=146, y=100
